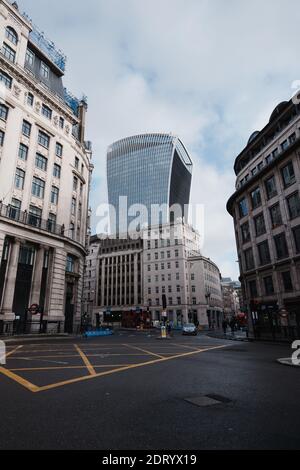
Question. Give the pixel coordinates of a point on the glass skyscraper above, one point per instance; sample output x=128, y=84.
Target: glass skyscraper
x=148, y=169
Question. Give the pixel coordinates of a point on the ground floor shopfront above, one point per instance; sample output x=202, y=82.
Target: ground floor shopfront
x=40, y=281
x=268, y=321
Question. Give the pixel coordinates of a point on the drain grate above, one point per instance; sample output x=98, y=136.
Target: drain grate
x=219, y=398
x=208, y=400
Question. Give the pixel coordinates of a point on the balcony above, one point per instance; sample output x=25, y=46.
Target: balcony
x=35, y=222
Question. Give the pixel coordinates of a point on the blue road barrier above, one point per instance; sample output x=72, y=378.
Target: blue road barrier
x=94, y=334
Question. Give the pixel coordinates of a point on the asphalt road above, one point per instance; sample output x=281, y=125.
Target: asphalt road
x=130, y=392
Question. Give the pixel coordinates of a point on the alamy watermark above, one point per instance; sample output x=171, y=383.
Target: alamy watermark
x=296, y=354
x=2, y=353
x=133, y=221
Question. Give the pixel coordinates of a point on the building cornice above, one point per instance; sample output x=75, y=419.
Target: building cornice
x=286, y=153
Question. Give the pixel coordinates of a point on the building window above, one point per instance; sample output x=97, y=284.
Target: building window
x=292, y=138
x=260, y=227
x=51, y=222
x=275, y=216
x=46, y=111
x=58, y=150
x=284, y=145
x=293, y=203
x=245, y=232
x=26, y=256
x=269, y=286
x=61, y=122
x=73, y=208
x=287, y=281
x=43, y=139
x=11, y=35
x=38, y=187
x=296, y=233
x=8, y=52
x=3, y=112
x=26, y=128
x=41, y=162
x=2, y=136
x=14, y=209
x=56, y=171
x=70, y=264
x=249, y=259
x=269, y=158
x=243, y=208
x=75, y=186
x=288, y=175
x=252, y=288
x=270, y=185
x=54, y=195
x=19, y=179
x=281, y=246
x=35, y=216
x=23, y=152
x=30, y=57
x=30, y=99
x=45, y=71
x=264, y=253
x=178, y=300
x=256, y=198
x=6, y=79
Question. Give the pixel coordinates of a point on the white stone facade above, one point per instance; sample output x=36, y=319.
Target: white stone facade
x=134, y=276
x=45, y=171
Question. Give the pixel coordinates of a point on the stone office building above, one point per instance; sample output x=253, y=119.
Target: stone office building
x=266, y=212
x=45, y=170
x=129, y=280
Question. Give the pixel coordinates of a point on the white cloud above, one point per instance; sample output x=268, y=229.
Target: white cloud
x=210, y=71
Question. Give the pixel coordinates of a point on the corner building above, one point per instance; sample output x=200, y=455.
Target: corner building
x=45, y=170
x=266, y=212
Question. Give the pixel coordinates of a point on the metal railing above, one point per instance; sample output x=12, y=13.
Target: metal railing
x=19, y=327
x=26, y=218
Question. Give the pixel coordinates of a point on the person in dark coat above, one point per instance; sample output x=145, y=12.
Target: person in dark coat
x=224, y=326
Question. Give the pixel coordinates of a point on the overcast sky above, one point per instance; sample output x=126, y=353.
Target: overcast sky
x=210, y=71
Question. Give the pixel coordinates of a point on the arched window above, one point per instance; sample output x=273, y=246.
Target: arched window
x=11, y=34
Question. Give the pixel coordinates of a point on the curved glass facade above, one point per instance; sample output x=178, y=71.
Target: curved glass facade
x=148, y=169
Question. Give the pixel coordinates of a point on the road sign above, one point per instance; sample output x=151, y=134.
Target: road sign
x=34, y=309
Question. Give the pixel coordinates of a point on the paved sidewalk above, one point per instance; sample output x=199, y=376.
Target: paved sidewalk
x=237, y=336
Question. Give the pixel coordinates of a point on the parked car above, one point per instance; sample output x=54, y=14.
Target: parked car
x=189, y=329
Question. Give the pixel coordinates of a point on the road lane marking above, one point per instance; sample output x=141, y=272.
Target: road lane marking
x=32, y=369
x=143, y=350
x=121, y=369
x=194, y=348
x=32, y=359
x=28, y=385
x=86, y=361
x=13, y=351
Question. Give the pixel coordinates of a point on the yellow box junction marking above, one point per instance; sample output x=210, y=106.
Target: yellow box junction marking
x=89, y=366
x=93, y=374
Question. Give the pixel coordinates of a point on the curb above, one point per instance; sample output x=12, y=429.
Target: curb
x=287, y=362
x=228, y=338
x=26, y=339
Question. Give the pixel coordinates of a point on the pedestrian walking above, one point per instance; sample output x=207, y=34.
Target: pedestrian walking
x=224, y=326
x=232, y=325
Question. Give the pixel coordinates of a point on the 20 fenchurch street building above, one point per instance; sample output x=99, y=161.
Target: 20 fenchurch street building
x=151, y=170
